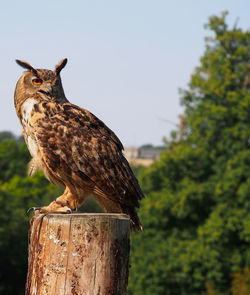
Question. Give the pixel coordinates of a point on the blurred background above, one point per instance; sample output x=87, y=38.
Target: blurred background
x=171, y=79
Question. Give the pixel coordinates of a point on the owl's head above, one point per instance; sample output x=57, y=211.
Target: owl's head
x=42, y=83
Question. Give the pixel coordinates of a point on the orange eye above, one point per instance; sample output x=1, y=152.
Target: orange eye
x=37, y=81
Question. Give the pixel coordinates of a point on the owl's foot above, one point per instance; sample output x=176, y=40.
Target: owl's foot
x=54, y=207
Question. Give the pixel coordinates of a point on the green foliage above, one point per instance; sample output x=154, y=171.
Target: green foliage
x=6, y=135
x=137, y=170
x=196, y=216
x=13, y=159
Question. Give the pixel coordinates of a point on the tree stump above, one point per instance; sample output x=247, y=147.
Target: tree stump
x=78, y=254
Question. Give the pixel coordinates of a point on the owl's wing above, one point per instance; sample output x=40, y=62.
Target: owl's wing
x=75, y=140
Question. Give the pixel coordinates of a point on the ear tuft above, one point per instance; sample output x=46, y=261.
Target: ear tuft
x=26, y=65
x=60, y=66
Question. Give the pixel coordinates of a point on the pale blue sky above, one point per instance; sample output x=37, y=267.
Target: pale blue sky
x=126, y=59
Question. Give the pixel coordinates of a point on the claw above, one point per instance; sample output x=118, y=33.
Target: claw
x=65, y=210
x=34, y=209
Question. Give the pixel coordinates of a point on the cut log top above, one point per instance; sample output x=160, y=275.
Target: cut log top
x=79, y=253
x=109, y=215
x=84, y=215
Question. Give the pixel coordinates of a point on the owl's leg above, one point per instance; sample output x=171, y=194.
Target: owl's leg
x=64, y=204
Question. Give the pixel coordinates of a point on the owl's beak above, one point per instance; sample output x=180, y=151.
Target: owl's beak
x=46, y=93
x=46, y=89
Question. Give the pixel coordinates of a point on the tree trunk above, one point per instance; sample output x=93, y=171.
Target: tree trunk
x=78, y=254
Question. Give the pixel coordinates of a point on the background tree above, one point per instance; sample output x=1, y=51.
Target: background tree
x=196, y=215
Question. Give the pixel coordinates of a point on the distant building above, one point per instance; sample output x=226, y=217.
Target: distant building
x=142, y=156
x=131, y=152
x=149, y=153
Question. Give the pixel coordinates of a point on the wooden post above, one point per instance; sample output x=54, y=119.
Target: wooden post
x=78, y=254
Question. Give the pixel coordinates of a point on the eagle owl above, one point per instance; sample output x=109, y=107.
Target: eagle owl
x=73, y=147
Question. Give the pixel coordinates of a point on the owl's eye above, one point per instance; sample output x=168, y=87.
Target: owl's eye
x=37, y=81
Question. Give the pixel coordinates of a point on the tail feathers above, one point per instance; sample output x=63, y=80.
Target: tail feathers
x=135, y=223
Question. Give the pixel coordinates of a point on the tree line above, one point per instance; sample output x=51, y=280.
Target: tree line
x=196, y=215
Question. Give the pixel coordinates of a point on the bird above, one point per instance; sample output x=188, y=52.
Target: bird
x=73, y=147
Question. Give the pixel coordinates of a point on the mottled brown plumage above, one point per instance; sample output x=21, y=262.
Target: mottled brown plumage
x=73, y=147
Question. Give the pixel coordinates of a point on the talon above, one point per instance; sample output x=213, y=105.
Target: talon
x=68, y=211
x=52, y=208
x=34, y=209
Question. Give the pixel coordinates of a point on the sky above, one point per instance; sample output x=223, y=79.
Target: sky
x=126, y=59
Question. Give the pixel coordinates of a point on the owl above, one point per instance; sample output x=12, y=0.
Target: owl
x=73, y=147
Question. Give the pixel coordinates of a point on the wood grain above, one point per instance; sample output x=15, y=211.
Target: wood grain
x=78, y=254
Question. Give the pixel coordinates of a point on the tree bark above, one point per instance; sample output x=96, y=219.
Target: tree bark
x=78, y=254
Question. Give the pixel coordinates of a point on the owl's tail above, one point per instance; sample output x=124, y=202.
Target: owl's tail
x=135, y=223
